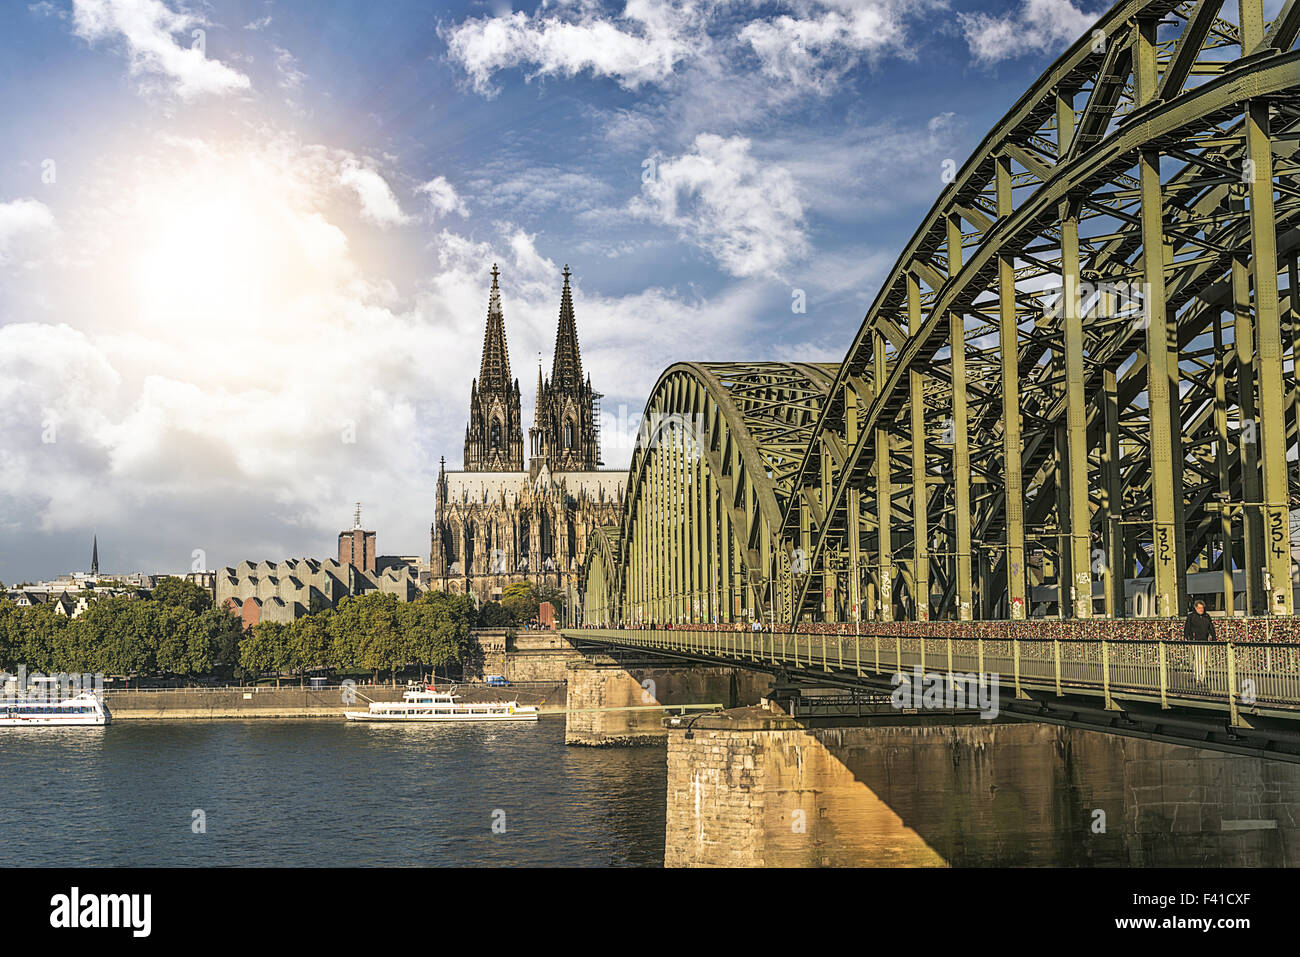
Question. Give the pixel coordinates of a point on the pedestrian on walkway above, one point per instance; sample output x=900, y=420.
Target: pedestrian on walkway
x=1199, y=627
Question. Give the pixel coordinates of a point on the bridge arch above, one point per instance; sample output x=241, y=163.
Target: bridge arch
x=1003, y=370
x=601, y=605
x=1035, y=412
x=709, y=478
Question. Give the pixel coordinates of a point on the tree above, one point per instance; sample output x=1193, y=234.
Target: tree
x=124, y=634
x=365, y=631
x=309, y=641
x=265, y=648
x=436, y=629
x=223, y=630
x=40, y=630
x=184, y=645
x=492, y=615
x=380, y=645
x=179, y=593
x=520, y=601
x=11, y=630
x=344, y=628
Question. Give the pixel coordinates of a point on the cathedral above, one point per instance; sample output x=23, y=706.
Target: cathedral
x=498, y=522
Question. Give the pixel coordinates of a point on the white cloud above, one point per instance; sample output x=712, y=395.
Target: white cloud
x=261, y=24
x=534, y=187
x=227, y=340
x=1039, y=26
x=286, y=65
x=744, y=213
x=813, y=52
x=23, y=221
x=149, y=28
x=805, y=45
x=205, y=370
x=860, y=173
x=443, y=198
x=378, y=204
x=642, y=45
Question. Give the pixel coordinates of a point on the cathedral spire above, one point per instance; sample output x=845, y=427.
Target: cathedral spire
x=566, y=368
x=494, y=439
x=565, y=433
x=494, y=372
x=537, y=404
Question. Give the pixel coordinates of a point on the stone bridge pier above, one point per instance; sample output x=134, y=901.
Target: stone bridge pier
x=752, y=786
x=616, y=702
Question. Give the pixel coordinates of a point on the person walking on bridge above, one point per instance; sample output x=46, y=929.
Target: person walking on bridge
x=1199, y=627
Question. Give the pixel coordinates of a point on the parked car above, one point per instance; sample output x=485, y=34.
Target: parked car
x=496, y=681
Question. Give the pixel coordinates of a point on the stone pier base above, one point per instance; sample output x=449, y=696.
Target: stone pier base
x=596, y=688
x=751, y=787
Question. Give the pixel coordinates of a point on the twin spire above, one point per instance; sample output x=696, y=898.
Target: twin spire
x=566, y=366
x=564, y=415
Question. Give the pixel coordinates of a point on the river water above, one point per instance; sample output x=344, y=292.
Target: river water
x=325, y=793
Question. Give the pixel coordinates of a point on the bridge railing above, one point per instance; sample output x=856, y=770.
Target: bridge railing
x=1230, y=676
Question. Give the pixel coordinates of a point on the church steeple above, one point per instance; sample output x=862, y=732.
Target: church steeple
x=494, y=372
x=566, y=367
x=94, y=556
x=565, y=430
x=494, y=438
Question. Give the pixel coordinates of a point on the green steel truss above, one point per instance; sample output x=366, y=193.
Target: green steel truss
x=710, y=478
x=1032, y=402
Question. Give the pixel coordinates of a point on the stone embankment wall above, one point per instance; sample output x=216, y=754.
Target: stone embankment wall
x=595, y=688
x=751, y=788
x=297, y=702
x=531, y=656
x=261, y=702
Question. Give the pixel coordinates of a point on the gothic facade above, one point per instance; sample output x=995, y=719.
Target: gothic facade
x=495, y=522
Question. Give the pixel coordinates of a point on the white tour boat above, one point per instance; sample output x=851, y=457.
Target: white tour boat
x=38, y=711
x=427, y=704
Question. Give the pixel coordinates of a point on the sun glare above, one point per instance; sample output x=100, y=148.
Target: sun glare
x=202, y=258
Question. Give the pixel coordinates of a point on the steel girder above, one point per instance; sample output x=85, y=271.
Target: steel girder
x=710, y=478
x=600, y=599
x=1032, y=404
x=1032, y=400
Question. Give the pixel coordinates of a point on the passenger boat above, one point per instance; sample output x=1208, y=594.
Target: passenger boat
x=429, y=704
x=25, y=711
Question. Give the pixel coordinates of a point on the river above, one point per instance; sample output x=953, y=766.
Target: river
x=312, y=793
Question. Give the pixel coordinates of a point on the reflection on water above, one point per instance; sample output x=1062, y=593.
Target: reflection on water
x=324, y=793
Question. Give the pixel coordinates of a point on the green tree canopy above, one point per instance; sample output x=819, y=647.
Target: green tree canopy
x=179, y=593
x=520, y=601
x=265, y=648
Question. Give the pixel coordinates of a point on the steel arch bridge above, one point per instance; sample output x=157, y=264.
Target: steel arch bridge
x=713, y=470
x=1080, y=371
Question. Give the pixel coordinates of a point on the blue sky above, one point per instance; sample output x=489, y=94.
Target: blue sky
x=244, y=246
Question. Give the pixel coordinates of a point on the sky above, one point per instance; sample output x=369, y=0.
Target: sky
x=245, y=244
